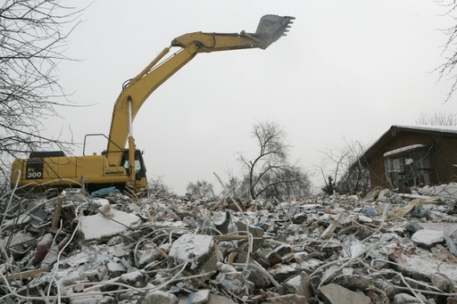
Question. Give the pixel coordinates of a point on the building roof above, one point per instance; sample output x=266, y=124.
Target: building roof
x=425, y=129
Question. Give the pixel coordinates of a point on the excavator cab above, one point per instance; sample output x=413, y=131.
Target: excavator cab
x=140, y=168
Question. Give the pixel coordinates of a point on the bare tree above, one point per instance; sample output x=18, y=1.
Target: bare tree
x=437, y=118
x=233, y=186
x=342, y=169
x=356, y=179
x=291, y=181
x=200, y=188
x=332, y=166
x=270, y=171
x=446, y=70
x=32, y=41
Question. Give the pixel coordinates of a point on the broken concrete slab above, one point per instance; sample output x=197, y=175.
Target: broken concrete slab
x=298, y=285
x=160, y=297
x=216, y=299
x=288, y=299
x=442, y=282
x=403, y=298
x=440, y=226
x=335, y=294
x=192, y=247
x=99, y=226
x=427, y=237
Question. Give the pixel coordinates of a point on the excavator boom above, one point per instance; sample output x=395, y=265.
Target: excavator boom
x=269, y=30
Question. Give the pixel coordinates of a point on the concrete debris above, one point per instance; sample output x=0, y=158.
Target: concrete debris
x=333, y=294
x=427, y=237
x=110, y=248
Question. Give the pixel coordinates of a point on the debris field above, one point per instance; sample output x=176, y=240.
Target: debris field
x=111, y=248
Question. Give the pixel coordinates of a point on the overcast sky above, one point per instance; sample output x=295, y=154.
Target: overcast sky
x=347, y=71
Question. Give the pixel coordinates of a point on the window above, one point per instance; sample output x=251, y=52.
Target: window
x=137, y=165
x=409, y=165
x=140, y=169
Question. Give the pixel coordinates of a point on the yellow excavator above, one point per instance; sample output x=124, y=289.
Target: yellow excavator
x=120, y=166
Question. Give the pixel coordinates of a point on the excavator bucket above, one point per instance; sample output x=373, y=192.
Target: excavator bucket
x=271, y=28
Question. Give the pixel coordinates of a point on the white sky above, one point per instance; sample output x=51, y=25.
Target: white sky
x=347, y=71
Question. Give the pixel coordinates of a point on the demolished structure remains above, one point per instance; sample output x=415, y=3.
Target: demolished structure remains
x=413, y=156
x=383, y=248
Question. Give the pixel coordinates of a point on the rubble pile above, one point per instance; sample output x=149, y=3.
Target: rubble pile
x=383, y=248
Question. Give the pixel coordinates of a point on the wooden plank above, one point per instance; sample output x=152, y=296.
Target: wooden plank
x=56, y=218
x=25, y=274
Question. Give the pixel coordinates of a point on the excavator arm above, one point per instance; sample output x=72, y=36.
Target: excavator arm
x=135, y=93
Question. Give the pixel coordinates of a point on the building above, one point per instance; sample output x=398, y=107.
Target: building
x=413, y=156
